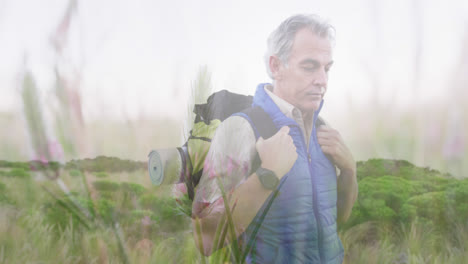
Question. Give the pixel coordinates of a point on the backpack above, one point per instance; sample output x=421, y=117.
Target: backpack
x=183, y=166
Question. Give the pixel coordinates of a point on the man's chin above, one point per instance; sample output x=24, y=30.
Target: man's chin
x=311, y=108
x=315, y=105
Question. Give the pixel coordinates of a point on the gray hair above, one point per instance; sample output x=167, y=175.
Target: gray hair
x=281, y=40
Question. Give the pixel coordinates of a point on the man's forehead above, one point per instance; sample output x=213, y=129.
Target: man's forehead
x=308, y=47
x=306, y=39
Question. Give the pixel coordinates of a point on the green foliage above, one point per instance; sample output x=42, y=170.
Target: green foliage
x=4, y=164
x=40, y=165
x=139, y=214
x=133, y=189
x=110, y=195
x=184, y=205
x=106, y=186
x=457, y=199
x=75, y=173
x=431, y=207
x=165, y=209
x=371, y=168
x=21, y=165
x=399, y=168
x=107, y=164
x=85, y=205
x=31, y=165
x=408, y=212
x=106, y=209
x=59, y=215
x=135, y=216
x=150, y=201
x=170, y=218
x=14, y=164
x=101, y=174
x=416, y=242
x=376, y=209
x=398, y=218
x=398, y=192
x=18, y=172
x=3, y=196
x=98, y=165
x=129, y=193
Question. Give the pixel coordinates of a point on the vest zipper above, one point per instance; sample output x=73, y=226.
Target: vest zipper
x=314, y=190
x=316, y=209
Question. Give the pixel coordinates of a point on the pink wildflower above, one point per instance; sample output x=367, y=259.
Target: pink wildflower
x=55, y=150
x=179, y=190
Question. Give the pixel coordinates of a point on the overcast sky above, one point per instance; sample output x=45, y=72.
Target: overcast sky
x=140, y=57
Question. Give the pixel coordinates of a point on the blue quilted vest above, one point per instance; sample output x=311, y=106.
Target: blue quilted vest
x=300, y=226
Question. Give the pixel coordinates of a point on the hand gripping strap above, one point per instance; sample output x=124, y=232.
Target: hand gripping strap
x=263, y=126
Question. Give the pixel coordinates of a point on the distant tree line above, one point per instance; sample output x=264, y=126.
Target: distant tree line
x=98, y=164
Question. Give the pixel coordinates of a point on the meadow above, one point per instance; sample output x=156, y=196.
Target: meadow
x=112, y=214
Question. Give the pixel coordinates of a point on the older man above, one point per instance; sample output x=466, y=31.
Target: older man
x=299, y=223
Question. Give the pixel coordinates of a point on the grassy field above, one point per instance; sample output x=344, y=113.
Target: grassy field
x=106, y=218
x=113, y=216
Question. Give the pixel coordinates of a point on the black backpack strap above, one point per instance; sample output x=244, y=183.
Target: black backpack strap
x=261, y=122
x=320, y=122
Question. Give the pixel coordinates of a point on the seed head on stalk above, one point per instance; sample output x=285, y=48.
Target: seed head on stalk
x=200, y=90
x=41, y=145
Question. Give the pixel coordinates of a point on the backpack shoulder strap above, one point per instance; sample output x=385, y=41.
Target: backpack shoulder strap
x=263, y=126
x=261, y=122
x=320, y=122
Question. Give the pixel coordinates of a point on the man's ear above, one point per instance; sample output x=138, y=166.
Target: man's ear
x=275, y=67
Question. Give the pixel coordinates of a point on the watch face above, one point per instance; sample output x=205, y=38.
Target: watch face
x=267, y=178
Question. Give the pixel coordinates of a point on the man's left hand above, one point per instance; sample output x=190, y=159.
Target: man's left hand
x=332, y=144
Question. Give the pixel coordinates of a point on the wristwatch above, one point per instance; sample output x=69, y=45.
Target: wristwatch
x=268, y=178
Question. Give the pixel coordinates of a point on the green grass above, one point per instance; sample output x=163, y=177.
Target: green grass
x=372, y=242
x=35, y=227
x=124, y=219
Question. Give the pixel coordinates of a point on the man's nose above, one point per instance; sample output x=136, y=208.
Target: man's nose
x=321, y=78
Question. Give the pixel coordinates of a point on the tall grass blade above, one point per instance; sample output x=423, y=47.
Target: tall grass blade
x=220, y=236
x=199, y=235
x=234, y=242
x=118, y=235
x=70, y=208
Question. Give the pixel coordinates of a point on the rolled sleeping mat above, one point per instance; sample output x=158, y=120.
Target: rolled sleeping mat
x=166, y=166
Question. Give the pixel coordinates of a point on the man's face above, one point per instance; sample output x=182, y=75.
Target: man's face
x=303, y=81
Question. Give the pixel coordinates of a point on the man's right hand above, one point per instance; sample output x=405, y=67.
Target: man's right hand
x=277, y=153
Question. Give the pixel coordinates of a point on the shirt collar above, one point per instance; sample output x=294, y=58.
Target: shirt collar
x=286, y=108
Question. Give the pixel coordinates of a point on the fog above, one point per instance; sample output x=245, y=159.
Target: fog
x=397, y=88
